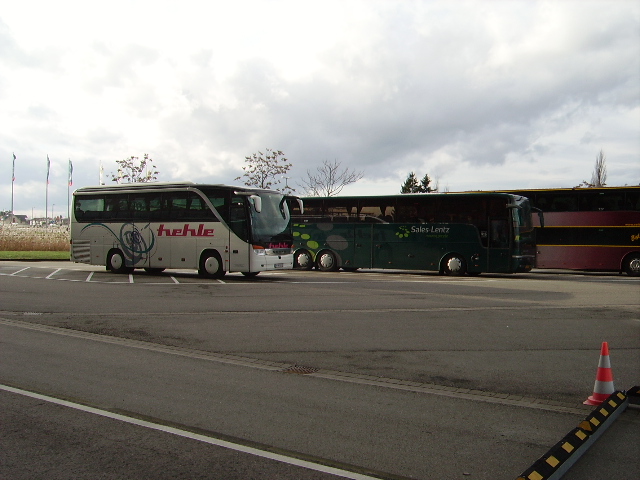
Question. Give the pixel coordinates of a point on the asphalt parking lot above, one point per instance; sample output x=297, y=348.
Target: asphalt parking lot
x=445, y=374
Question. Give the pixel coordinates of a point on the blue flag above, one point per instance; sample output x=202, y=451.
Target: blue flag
x=70, y=173
x=13, y=171
x=48, y=168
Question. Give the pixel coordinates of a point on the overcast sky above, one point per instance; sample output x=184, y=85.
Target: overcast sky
x=479, y=94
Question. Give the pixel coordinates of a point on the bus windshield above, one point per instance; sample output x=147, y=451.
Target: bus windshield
x=272, y=223
x=522, y=215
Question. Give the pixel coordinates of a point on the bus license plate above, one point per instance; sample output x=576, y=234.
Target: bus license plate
x=278, y=265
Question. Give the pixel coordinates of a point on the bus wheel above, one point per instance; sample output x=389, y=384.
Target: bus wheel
x=250, y=274
x=154, y=271
x=632, y=265
x=454, y=265
x=303, y=260
x=116, y=263
x=211, y=265
x=327, y=261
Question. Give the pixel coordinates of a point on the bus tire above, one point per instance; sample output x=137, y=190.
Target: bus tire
x=631, y=264
x=303, y=260
x=454, y=265
x=116, y=262
x=211, y=265
x=327, y=261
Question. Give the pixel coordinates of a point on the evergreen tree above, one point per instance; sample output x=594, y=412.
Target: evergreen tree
x=411, y=184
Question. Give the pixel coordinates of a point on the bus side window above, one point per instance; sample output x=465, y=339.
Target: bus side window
x=116, y=207
x=175, y=206
x=155, y=206
x=220, y=204
x=89, y=208
x=139, y=206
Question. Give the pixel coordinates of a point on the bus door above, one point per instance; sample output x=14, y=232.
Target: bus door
x=498, y=251
x=238, y=255
x=363, y=245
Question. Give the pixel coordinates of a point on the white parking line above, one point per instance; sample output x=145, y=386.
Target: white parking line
x=53, y=273
x=193, y=436
x=22, y=270
x=89, y=277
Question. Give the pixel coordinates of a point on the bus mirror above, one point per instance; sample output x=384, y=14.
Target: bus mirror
x=256, y=201
x=299, y=200
x=540, y=216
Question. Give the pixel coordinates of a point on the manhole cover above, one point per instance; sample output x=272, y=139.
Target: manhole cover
x=300, y=370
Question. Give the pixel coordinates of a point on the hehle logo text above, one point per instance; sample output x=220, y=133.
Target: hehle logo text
x=186, y=231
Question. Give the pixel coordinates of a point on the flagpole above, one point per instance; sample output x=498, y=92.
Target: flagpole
x=69, y=183
x=46, y=206
x=13, y=179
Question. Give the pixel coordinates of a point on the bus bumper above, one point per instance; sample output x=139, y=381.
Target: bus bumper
x=275, y=262
x=523, y=263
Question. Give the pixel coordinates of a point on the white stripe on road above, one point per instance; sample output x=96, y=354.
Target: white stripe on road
x=194, y=436
x=53, y=273
x=21, y=270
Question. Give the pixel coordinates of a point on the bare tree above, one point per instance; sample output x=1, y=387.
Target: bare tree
x=599, y=175
x=265, y=170
x=330, y=179
x=134, y=170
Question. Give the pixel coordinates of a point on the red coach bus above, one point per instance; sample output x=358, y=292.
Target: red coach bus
x=588, y=228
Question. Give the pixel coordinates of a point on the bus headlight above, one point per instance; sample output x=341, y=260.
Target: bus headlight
x=259, y=250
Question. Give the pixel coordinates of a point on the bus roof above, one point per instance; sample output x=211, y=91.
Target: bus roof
x=122, y=187
x=565, y=189
x=420, y=195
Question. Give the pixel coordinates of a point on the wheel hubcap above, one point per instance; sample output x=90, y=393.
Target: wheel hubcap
x=326, y=261
x=304, y=260
x=454, y=264
x=116, y=261
x=211, y=265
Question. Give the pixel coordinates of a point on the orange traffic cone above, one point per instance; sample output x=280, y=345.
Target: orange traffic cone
x=604, y=379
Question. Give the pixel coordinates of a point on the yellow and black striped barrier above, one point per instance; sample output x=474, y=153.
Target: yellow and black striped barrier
x=561, y=457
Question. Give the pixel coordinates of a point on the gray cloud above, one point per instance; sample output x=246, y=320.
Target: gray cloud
x=453, y=89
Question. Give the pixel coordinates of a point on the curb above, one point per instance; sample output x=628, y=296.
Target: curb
x=564, y=454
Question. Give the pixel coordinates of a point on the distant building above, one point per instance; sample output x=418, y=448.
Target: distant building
x=12, y=219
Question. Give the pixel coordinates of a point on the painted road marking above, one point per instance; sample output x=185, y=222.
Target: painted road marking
x=278, y=457
x=52, y=273
x=22, y=270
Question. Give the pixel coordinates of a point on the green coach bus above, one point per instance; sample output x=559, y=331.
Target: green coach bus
x=452, y=233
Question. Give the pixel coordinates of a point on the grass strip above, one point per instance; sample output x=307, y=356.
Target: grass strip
x=34, y=255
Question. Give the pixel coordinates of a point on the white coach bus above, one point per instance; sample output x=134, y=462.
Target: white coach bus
x=212, y=228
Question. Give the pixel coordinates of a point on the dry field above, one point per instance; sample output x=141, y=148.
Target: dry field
x=29, y=239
